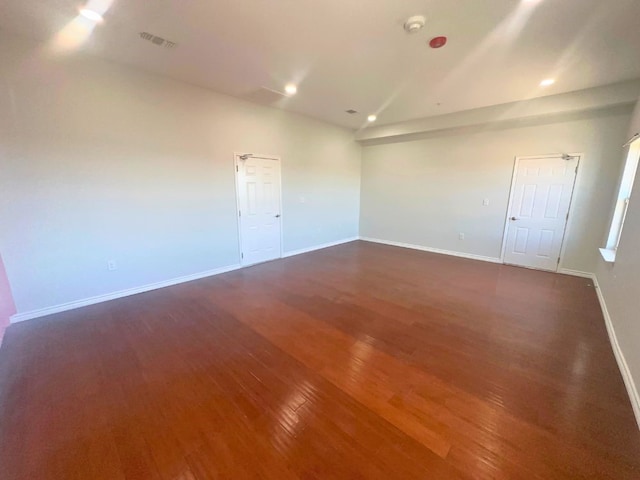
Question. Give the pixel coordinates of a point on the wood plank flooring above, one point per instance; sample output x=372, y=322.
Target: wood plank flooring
x=361, y=361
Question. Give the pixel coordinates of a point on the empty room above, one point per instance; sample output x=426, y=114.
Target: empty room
x=248, y=239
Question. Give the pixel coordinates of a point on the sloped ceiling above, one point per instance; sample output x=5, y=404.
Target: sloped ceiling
x=355, y=53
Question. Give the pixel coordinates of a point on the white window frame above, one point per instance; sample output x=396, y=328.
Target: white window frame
x=622, y=202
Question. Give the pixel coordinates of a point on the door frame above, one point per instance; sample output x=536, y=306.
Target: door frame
x=516, y=163
x=236, y=174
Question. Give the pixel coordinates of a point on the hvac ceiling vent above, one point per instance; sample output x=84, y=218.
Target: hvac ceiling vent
x=159, y=41
x=351, y=111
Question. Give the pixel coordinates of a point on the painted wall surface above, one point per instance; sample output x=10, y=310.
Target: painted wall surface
x=104, y=162
x=7, y=307
x=620, y=282
x=426, y=192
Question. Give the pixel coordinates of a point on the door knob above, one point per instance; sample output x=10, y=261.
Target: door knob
x=278, y=216
x=513, y=219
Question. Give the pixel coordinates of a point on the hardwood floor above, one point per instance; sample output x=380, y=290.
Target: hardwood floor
x=361, y=361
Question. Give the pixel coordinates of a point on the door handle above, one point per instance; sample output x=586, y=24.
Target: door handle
x=513, y=219
x=278, y=216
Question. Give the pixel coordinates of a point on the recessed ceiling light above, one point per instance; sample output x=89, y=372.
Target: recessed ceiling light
x=291, y=89
x=372, y=118
x=547, y=82
x=91, y=15
x=415, y=24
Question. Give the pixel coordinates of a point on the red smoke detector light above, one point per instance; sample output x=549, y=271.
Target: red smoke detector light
x=438, y=42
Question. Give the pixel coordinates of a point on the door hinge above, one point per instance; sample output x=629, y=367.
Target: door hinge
x=237, y=168
x=239, y=213
x=241, y=255
x=567, y=217
x=558, y=260
x=576, y=168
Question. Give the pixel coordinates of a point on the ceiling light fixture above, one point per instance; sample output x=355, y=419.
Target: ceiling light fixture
x=372, y=118
x=291, y=89
x=547, y=82
x=91, y=15
x=415, y=24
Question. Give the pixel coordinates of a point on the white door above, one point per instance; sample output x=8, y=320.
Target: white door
x=538, y=212
x=258, y=181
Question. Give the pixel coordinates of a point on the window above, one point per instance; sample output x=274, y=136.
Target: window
x=622, y=202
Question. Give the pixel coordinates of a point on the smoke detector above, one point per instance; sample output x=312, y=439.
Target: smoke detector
x=415, y=24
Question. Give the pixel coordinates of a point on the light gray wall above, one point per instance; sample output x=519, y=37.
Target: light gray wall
x=100, y=161
x=620, y=282
x=425, y=192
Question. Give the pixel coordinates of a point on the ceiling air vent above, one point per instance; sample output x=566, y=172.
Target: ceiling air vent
x=159, y=41
x=351, y=111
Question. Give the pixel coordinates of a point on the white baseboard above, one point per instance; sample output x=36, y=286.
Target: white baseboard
x=319, y=247
x=632, y=390
x=21, y=317
x=576, y=273
x=433, y=250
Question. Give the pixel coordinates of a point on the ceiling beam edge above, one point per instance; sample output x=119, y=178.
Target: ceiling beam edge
x=534, y=120
x=598, y=100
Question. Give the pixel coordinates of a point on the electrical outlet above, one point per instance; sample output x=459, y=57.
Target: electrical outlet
x=111, y=265
x=485, y=202
x=461, y=236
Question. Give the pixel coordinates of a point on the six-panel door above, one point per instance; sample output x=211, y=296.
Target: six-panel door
x=259, y=203
x=541, y=197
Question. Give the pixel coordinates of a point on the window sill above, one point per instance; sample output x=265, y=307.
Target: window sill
x=608, y=255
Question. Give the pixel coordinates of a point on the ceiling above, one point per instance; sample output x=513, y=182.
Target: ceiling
x=347, y=54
